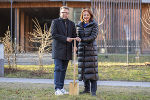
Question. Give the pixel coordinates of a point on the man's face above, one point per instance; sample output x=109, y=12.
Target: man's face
x=64, y=13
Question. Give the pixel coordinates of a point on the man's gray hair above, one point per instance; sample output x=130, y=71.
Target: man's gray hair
x=64, y=7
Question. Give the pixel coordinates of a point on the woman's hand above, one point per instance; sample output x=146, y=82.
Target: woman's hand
x=78, y=39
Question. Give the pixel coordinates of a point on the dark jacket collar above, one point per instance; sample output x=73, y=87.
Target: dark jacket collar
x=61, y=22
x=61, y=19
x=89, y=24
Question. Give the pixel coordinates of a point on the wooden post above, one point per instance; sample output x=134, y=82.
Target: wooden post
x=31, y=23
x=27, y=26
x=22, y=32
x=30, y=30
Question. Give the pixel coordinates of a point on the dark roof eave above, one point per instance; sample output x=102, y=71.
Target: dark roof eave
x=44, y=0
x=143, y=1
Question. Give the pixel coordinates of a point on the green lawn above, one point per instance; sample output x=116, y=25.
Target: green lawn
x=107, y=71
x=123, y=58
x=26, y=91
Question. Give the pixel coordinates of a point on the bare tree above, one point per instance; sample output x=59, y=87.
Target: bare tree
x=101, y=30
x=146, y=24
x=8, y=48
x=43, y=37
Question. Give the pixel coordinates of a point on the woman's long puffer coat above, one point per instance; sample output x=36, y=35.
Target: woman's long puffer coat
x=87, y=51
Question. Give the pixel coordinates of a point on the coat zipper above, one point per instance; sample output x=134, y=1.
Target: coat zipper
x=67, y=35
x=84, y=57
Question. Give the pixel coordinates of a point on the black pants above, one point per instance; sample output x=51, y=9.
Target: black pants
x=93, y=85
x=60, y=72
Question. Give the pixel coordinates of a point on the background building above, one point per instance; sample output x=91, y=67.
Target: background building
x=23, y=11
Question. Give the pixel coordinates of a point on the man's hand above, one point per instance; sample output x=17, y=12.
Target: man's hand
x=75, y=49
x=69, y=39
x=78, y=39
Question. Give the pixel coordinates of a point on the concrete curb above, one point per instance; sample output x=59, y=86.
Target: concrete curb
x=51, y=81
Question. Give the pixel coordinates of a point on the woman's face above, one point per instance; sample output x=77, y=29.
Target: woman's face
x=86, y=16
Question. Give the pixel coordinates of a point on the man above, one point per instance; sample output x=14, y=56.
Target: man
x=63, y=31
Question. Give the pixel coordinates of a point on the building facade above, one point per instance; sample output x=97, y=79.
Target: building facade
x=23, y=11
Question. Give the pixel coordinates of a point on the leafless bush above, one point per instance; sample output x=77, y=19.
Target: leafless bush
x=42, y=37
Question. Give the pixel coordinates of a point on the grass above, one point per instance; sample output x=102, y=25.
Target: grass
x=107, y=71
x=124, y=73
x=122, y=58
x=28, y=91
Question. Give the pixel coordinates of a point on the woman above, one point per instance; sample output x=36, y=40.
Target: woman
x=87, y=30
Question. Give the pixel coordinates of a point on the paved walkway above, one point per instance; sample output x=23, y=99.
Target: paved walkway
x=51, y=81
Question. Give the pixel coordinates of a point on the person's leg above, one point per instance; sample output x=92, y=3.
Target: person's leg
x=93, y=87
x=86, y=87
x=57, y=73
x=63, y=72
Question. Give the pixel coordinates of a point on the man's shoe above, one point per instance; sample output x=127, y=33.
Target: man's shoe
x=84, y=92
x=58, y=92
x=64, y=91
x=93, y=94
